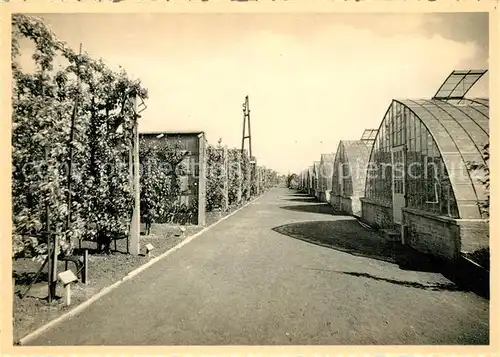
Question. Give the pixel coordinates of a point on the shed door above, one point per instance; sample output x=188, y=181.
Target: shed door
x=398, y=183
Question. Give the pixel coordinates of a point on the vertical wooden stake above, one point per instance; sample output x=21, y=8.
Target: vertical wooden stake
x=226, y=180
x=202, y=179
x=68, y=294
x=54, y=267
x=85, y=266
x=135, y=225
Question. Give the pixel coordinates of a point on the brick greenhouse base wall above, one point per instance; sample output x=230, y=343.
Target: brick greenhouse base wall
x=355, y=205
x=327, y=197
x=345, y=205
x=335, y=202
x=375, y=214
x=432, y=235
x=474, y=235
x=445, y=237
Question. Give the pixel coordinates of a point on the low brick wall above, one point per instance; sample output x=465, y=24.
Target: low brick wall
x=345, y=205
x=328, y=196
x=474, y=235
x=355, y=205
x=445, y=237
x=376, y=214
x=349, y=205
x=335, y=202
x=437, y=236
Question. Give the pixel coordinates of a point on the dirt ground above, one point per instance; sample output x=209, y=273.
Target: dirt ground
x=33, y=311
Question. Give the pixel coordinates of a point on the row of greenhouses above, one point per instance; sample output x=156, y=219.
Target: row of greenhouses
x=422, y=176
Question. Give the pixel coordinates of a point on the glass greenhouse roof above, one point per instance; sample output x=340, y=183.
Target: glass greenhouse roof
x=328, y=158
x=369, y=134
x=458, y=83
x=460, y=134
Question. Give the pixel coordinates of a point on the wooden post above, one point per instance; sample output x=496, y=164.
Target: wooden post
x=68, y=294
x=85, y=273
x=135, y=226
x=240, y=186
x=226, y=181
x=70, y=149
x=202, y=180
x=54, y=266
x=51, y=246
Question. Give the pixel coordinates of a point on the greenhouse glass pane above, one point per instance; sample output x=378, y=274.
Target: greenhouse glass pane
x=423, y=140
x=430, y=146
x=417, y=136
x=458, y=84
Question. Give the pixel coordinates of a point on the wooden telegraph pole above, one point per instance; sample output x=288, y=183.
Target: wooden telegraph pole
x=246, y=122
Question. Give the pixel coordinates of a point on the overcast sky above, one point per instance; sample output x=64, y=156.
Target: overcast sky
x=312, y=79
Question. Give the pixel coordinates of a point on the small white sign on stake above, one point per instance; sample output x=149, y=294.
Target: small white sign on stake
x=149, y=248
x=67, y=277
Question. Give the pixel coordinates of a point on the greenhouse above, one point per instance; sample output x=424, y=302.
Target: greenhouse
x=349, y=174
x=428, y=172
x=310, y=180
x=315, y=178
x=325, y=174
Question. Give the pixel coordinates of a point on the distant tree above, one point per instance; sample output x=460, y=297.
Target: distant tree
x=292, y=181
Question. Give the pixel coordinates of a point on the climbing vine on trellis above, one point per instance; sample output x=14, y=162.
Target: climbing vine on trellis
x=161, y=162
x=217, y=177
x=43, y=104
x=235, y=176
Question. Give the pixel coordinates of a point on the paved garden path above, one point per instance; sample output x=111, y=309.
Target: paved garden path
x=256, y=278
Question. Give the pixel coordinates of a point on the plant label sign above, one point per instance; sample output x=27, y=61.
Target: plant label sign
x=67, y=277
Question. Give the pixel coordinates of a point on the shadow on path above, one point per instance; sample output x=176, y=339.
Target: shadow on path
x=411, y=284
x=302, y=199
x=349, y=236
x=321, y=208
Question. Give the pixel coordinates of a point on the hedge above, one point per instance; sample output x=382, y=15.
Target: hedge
x=217, y=177
x=44, y=103
x=161, y=163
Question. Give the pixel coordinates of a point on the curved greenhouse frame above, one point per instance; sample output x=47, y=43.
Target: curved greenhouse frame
x=325, y=173
x=441, y=142
x=428, y=170
x=349, y=174
x=315, y=176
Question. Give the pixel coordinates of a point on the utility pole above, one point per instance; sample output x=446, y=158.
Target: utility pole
x=246, y=122
x=253, y=162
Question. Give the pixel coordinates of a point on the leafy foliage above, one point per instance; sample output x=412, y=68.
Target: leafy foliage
x=217, y=177
x=268, y=178
x=246, y=187
x=292, y=181
x=44, y=103
x=235, y=176
x=161, y=162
